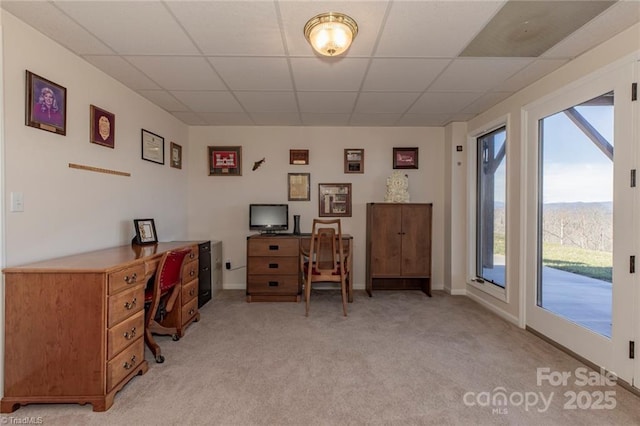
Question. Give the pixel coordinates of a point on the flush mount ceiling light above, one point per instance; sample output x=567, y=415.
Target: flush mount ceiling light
x=331, y=33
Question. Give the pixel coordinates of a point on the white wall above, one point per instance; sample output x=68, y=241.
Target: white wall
x=617, y=48
x=68, y=210
x=219, y=205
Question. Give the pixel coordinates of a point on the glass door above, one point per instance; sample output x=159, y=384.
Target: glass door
x=581, y=203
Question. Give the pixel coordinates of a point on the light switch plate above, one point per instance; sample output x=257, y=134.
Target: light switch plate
x=17, y=202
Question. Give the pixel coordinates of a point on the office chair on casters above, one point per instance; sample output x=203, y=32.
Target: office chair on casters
x=326, y=260
x=160, y=298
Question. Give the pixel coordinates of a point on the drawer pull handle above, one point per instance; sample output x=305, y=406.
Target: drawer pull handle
x=130, y=305
x=129, y=366
x=206, y=268
x=192, y=273
x=131, y=279
x=273, y=266
x=130, y=335
x=274, y=247
x=192, y=292
x=192, y=311
x=191, y=255
x=273, y=283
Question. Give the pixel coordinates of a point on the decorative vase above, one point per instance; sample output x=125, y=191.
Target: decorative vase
x=296, y=224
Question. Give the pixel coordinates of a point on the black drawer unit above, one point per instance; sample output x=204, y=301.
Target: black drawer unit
x=204, y=275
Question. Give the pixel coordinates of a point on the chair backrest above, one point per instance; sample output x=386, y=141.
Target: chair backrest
x=170, y=269
x=326, y=246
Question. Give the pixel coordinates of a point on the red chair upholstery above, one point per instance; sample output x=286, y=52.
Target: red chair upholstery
x=160, y=298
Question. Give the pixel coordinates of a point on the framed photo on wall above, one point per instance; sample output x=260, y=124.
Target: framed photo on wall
x=175, y=155
x=334, y=200
x=103, y=127
x=225, y=160
x=405, y=158
x=354, y=160
x=145, y=231
x=299, y=156
x=299, y=188
x=46, y=104
x=152, y=147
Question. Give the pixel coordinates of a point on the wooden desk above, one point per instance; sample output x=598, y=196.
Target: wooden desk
x=273, y=267
x=74, y=326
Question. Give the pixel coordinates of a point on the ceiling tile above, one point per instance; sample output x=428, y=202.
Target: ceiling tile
x=254, y=73
x=178, y=73
x=328, y=74
x=313, y=119
x=379, y=102
x=413, y=120
x=485, y=102
x=232, y=27
x=163, y=99
x=226, y=119
x=267, y=101
x=189, y=118
x=276, y=118
x=396, y=75
x=425, y=28
x=327, y=102
x=531, y=73
x=53, y=23
x=477, y=75
x=131, y=27
x=122, y=71
x=203, y=101
x=374, y=120
x=443, y=102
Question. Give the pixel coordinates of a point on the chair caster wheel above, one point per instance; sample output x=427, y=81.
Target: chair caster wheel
x=159, y=359
x=175, y=337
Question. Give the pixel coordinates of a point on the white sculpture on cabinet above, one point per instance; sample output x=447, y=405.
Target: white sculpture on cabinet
x=397, y=188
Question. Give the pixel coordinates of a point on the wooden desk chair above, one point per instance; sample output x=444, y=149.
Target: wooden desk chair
x=160, y=298
x=326, y=260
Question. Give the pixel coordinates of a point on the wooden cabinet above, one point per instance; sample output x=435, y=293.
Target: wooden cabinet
x=398, y=246
x=74, y=326
x=273, y=271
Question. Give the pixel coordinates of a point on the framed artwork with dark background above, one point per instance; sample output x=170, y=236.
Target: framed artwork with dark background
x=103, y=127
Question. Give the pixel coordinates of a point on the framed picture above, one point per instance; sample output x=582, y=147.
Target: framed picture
x=334, y=199
x=103, y=127
x=152, y=147
x=405, y=158
x=46, y=105
x=176, y=155
x=225, y=160
x=145, y=231
x=299, y=156
x=299, y=186
x=354, y=160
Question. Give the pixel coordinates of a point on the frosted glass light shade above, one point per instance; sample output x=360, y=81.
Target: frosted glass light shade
x=330, y=34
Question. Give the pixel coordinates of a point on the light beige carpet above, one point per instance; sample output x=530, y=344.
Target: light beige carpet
x=399, y=358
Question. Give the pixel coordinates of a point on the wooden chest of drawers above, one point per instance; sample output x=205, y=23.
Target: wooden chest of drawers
x=74, y=326
x=273, y=271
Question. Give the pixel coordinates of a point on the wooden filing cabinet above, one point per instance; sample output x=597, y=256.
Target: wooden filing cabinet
x=273, y=271
x=186, y=309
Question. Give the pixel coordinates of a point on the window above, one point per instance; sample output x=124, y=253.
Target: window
x=491, y=207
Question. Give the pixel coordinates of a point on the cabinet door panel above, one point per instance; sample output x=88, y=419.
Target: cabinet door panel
x=386, y=234
x=416, y=240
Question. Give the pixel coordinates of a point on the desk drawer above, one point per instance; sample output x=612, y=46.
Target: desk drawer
x=189, y=291
x=125, y=304
x=189, y=310
x=126, y=278
x=125, y=333
x=277, y=246
x=124, y=363
x=189, y=271
x=270, y=265
x=269, y=284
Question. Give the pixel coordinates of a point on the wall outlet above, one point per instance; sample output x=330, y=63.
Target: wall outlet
x=227, y=264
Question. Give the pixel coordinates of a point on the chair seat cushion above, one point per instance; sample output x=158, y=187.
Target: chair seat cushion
x=314, y=271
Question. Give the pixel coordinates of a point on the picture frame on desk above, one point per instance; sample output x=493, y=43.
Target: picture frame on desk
x=46, y=104
x=145, y=231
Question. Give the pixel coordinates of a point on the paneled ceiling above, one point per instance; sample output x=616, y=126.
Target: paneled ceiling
x=413, y=63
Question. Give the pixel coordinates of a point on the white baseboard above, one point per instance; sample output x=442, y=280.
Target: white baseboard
x=505, y=315
x=234, y=286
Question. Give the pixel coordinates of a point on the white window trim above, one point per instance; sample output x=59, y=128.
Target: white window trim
x=486, y=287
